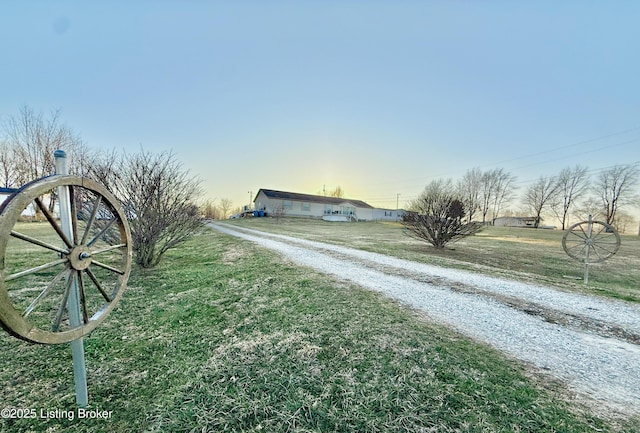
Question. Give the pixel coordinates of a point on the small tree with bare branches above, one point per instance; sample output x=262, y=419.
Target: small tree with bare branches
x=437, y=216
x=158, y=197
x=278, y=213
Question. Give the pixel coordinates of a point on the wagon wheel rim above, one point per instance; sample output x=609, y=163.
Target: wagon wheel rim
x=38, y=271
x=598, y=244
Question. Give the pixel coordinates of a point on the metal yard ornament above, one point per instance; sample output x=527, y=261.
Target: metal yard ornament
x=590, y=242
x=60, y=278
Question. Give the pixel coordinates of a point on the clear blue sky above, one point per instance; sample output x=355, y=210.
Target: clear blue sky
x=379, y=97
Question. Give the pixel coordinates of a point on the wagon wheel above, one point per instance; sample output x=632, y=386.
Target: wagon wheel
x=591, y=241
x=39, y=264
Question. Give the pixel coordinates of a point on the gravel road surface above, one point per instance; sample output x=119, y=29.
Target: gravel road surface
x=591, y=344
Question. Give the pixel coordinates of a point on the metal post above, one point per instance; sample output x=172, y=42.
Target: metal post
x=73, y=303
x=588, y=242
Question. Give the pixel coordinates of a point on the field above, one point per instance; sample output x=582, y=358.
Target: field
x=519, y=253
x=224, y=336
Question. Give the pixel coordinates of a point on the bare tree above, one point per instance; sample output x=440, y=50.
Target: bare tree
x=30, y=142
x=8, y=174
x=158, y=196
x=337, y=192
x=623, y=222
x=34, y=138
x=278, y=213
x=495, y=190
x=539, y=195
x=503, y=191
x=469, y=188
x=572, y=184
x=437, y=216
x=615, y=188
x=209, y=210
x=589, y=206
x=225, y=207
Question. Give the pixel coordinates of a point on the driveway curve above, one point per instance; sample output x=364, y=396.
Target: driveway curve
x=591, y=344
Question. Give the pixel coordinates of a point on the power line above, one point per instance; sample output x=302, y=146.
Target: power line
x=578, y=154
x=591, y=140
x=589, y=170
x=411, y=182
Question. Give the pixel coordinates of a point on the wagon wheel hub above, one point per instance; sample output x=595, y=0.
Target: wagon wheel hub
x=80, y=258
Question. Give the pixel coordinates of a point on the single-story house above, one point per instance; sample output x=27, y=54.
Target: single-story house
x=318, y=206
x=514, y=222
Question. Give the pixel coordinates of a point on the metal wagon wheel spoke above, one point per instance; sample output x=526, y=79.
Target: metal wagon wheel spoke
x=41, y=265
x=46, y=291
x=92, y=218
x=577, y=250
x=34, y=270
x=52, y=221
x=38, y=242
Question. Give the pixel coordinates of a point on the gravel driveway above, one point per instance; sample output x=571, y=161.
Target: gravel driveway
x=591, y=344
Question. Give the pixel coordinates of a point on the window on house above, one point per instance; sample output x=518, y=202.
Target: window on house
x=306, y=206
x=286, y=204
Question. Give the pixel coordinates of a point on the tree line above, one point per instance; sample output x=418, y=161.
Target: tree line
x=573, y=189
x=446, y=211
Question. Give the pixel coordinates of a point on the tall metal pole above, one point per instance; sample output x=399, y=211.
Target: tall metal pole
x=589, y=242
x=73, y=303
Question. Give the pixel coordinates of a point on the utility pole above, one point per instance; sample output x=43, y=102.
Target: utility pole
x=397, y=205
x=250, y=195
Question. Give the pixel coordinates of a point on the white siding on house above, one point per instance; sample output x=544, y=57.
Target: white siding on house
x=387, y=214
x=514, y=222
x=30, y=210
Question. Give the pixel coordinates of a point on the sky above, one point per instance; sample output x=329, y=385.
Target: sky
x=378, y=97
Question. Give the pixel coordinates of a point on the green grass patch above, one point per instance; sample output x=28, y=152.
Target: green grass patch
x=224, y=336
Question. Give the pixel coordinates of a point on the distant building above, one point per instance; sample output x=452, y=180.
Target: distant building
x=318, y=206
x=515, y=222
x=30, y=210
x=5, y=193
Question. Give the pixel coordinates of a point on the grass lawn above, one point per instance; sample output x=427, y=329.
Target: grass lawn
x=225, y=336
x=520, y=253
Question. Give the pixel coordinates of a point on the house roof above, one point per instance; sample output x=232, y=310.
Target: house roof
x=311, y=198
